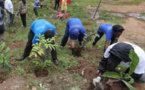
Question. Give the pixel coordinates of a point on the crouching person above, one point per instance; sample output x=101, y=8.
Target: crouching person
x=40, y=27
x=74, y=30
x=118, y=54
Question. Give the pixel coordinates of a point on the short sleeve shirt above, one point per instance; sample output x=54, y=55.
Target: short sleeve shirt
x=39, y=27
x=107, y=29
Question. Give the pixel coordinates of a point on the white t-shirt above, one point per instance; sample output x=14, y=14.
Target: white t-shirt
x=140, y=69
x=9, y=6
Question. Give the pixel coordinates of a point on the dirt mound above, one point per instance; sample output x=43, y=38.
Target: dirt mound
x=88, y=71
x=2, y=76
x=40, y=72
x=16, y=44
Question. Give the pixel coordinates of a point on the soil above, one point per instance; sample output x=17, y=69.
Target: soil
x=87, y=70
x=39, y=72
x=2, y=76
x=16, y=44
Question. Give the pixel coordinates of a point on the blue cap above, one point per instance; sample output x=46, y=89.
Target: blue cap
x=74, y=34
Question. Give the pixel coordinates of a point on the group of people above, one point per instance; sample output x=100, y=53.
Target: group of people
x=114, y=54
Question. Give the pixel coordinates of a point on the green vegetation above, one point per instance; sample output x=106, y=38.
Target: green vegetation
x=133, y=2
x=4, y=59
x=110, y=17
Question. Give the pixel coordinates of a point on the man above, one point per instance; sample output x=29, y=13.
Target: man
x=118, y=53
x=36, y=6
x=9, y=7
x=2, y=6
x=56, y=4
x=112, y=34
x=2, y=27
x=64, y=9
x=40, y=27
x=75, y=30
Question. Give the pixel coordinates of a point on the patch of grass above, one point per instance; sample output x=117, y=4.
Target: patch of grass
x=133, y=2
x=143, y=13
x=109, y=17
x=77, y=76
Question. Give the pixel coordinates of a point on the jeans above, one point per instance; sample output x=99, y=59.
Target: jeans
x=23, y=18
x=35, y=11
x=56, y=4
x=29, y=47
x=66, y=35
x=11, y=19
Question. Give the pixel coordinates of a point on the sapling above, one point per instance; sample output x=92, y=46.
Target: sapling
x=4, y=59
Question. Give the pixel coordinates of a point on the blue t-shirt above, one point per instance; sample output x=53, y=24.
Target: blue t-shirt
x=107, y=29
x=75, y=23
x=39, y=27
x=36, y=4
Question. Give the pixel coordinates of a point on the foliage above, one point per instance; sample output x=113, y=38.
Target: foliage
x=135, y=60
x=4, y=59
x=65, y=64
x=133, y=2
x=39, y=50
x=125, y=77
x=110, y=17
x=77, y=76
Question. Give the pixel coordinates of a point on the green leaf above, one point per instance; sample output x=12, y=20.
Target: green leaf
x=109, y=74
x=2, y=45
x=128, y=85
x=135, y=60
x=6, y=51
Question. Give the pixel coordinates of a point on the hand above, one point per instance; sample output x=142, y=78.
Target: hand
x=73, y=51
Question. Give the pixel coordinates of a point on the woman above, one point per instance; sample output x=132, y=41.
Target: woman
x=23, y=11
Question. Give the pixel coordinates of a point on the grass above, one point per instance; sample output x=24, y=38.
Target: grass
x=133, y=2
x=61, y=78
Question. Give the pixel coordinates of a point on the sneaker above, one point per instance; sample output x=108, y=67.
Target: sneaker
x=21, y=58
x=61, y=48
x=56, y=62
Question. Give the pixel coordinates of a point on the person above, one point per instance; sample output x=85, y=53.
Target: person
x=2, y=27
x=64, y=9
x=2, y=6
x=22, y=11
x=75, y=30
x=40, y=26
x=9, y=7
x=56, y=4
x=118, y=53
x=112, y=32
x=36, y=6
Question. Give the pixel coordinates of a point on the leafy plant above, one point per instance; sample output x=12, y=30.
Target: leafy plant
x=4, y=59
x=122, y=76
x=39, y=50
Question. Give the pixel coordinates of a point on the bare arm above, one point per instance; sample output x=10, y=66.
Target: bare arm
x=106, y=45
x=72, y=44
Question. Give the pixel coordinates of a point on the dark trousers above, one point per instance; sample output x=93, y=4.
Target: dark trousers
x=66, y=35
x=100, y=33
x=29, y=47
x=35, y=11
x=2, y=6
x=11, y=19
x=23, y=18
x=56, y=4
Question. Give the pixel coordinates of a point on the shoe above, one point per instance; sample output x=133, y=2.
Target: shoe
x=21, y=58
x=56, y=62
x=61, y=48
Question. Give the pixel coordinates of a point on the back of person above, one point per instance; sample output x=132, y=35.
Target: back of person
x=23, y=8
x=74, y=23
x=106, y=28
x=39, y=27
